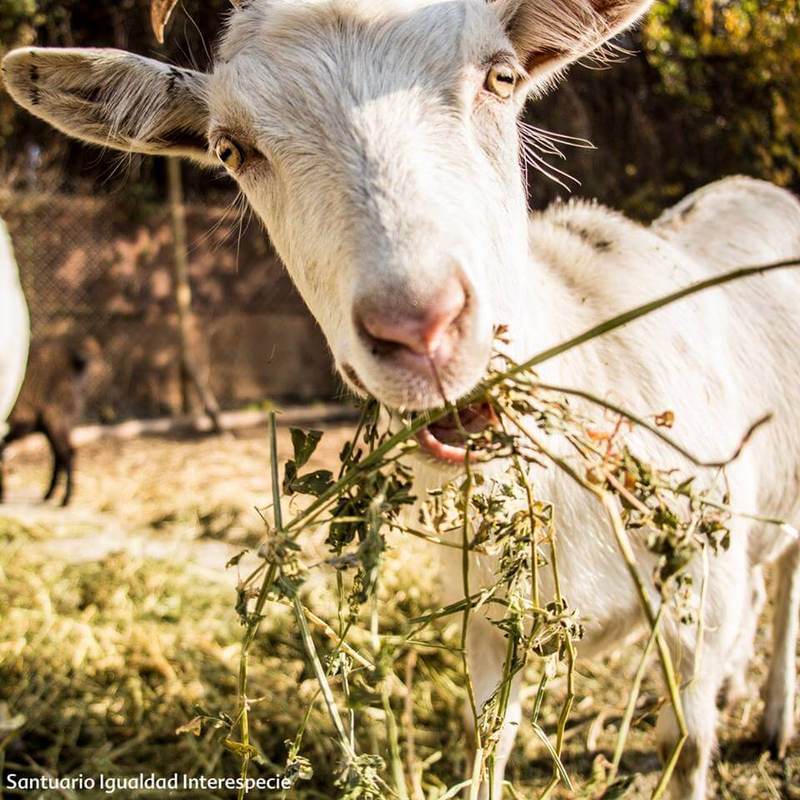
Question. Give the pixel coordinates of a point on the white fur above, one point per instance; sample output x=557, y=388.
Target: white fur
x=379, y=164
x=14, y=329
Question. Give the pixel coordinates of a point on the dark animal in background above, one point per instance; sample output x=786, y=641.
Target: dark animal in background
x=52, y=402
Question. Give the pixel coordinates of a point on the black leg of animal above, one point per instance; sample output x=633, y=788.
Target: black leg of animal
x=59, y=440
x=57, y=467
x=68, y=465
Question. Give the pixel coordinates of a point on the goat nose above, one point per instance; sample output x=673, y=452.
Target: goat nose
x=426, y=328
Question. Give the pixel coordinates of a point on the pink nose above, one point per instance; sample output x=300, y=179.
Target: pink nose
x=429, y=328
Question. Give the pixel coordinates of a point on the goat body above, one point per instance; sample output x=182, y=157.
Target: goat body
x=14, y=329
x=718, y=361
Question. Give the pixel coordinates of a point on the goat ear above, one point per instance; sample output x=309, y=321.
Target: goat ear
x=550, y=34
x=113, y=98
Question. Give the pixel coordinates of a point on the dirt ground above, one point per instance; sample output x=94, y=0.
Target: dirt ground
x=190, y=503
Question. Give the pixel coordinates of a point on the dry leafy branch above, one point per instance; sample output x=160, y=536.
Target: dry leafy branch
x=651, y=509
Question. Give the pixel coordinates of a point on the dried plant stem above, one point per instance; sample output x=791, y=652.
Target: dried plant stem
x=322, y=678
x=244, y=722
x=294, y=748
x=407, y=720
x=453, y=791
x=477, y=767
x=788, y=529
x=560, y=771
x=392, y=737
x=340, y=643
x=428, y=537
x=394, y=745
x=540, y=692
x=473, y=601
x=570, y=653
x=633, y=697
x=624, y=546
x=499, y=717
x=255, y=618
x=665, y=657
x=654, y=429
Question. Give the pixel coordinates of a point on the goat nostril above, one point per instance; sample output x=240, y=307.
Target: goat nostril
x=445, y=321
x=425, y=328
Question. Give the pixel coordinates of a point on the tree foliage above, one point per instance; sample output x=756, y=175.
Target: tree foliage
x=736, y=65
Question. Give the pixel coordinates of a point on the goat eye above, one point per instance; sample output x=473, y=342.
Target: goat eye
x=501, y=80
x=229, y=153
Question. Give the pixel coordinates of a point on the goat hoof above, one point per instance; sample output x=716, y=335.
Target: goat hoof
x=775, y=742
x=776, y=749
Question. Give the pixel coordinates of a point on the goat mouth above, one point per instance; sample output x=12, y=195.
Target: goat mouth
x=448, y=438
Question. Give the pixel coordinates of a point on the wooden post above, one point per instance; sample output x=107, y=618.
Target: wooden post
x=190, y=375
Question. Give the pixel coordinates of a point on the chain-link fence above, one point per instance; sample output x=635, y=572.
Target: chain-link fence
x=100, y=270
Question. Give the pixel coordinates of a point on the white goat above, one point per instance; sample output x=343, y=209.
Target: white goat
x=14, y=330
x=378, y=141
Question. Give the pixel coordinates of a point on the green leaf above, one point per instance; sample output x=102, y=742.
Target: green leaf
x=315, y=483
x=304, y=444
x=234, y=562
x=289, y=477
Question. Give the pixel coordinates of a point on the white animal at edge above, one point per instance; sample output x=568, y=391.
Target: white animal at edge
x=14, y=329
x=378, y=141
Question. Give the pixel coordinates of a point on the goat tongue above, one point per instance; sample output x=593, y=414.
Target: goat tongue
x=471, y=419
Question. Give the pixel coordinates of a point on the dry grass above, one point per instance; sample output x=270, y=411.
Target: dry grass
x=118, y=621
